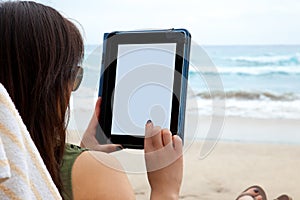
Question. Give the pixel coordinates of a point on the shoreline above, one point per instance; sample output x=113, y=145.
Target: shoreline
x=246, y=130
x=234, y=129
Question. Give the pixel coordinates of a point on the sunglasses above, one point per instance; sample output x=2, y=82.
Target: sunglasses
x=78, y=75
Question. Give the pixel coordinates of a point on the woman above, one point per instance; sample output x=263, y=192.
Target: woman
x=39, y=56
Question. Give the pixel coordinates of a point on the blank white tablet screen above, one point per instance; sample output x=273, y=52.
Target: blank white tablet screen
x=143, y=87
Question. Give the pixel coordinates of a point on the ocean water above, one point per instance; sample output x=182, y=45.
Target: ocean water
x=258, y=81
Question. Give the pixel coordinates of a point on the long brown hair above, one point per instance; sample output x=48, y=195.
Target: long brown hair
x=38, y=49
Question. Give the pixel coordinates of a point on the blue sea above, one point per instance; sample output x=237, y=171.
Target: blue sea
x=258, y=81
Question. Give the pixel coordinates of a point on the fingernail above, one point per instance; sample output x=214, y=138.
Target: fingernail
x=119, y=148
x=149, y=121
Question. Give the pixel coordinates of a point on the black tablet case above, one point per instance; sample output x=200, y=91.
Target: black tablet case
x=106, y=137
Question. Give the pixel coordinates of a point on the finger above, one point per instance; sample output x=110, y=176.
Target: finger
x=156, y=137
x=166, y=136
x=148, y=131
x=177, y=142
x=153, y=137
x=98, y=107
x=108, y=148
x=94, y=122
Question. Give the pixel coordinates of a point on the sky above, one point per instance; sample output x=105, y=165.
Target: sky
x=211, y=22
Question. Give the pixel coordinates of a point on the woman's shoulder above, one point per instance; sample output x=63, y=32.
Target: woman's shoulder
x=98, y=175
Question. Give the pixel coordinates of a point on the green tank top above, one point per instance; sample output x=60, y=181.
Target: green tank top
x=71, y=153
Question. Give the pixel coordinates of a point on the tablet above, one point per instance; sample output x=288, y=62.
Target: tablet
x=143, y=76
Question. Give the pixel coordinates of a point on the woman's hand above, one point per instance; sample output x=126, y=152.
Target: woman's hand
x=89, y=138
x=164, y=162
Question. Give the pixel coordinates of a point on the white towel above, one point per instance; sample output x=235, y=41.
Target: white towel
x=23, y=174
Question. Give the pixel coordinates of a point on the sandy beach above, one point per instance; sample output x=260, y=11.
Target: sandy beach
x=250, y=151
x=232, y=167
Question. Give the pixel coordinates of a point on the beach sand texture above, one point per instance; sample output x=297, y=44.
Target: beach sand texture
x=250, y=151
